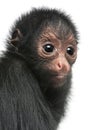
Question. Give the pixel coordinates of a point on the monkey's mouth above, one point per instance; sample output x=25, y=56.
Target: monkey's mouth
x=59, y=76
x=59, y=79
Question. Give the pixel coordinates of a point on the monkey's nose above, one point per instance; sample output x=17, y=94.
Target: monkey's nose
x=62, y=65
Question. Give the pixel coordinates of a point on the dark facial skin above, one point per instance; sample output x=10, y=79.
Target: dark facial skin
x=58, y=54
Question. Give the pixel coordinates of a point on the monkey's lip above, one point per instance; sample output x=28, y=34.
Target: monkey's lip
x=60, y=77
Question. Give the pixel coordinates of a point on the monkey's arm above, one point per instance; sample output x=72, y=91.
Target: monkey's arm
x=22, y=104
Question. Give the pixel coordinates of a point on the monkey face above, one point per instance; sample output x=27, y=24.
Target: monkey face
x=51, y=51
x=58, y=55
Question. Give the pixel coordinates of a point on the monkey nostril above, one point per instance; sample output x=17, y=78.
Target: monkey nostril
x=60, y=66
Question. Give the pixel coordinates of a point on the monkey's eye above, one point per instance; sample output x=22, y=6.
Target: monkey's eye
x=48, y=48
x=70, y=51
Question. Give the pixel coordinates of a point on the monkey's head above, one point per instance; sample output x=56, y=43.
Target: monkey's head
x=47, y=39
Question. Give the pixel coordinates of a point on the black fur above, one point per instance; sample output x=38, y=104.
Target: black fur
x=27, y=101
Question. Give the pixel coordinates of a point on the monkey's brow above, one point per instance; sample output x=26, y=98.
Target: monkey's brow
x=47, y=36
x=71, y=39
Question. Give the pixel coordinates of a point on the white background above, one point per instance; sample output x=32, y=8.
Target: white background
x=78, y=115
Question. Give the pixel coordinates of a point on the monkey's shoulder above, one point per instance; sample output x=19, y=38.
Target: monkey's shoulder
x=13, y=66
x=15, y=75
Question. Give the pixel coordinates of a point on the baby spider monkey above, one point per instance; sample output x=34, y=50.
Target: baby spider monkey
x=35, y=71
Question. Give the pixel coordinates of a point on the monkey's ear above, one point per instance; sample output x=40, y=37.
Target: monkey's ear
x=16, y=37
